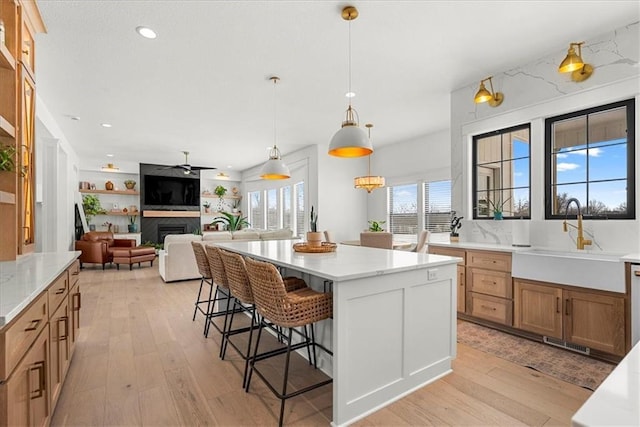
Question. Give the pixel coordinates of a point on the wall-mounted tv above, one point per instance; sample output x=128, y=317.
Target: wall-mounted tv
x=171, y=191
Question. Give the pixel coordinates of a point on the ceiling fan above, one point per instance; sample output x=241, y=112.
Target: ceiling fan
x=186, y=167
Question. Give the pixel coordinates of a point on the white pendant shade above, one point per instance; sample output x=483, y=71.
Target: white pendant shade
x=275, y=168
x=350, y=141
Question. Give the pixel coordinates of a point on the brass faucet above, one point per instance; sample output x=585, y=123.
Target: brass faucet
x=581, y=242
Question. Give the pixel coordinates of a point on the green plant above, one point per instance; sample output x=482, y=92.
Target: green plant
x=150, y=244
x=220, y=191
x=376, y=225
x=129, y=183
x=207, y=204
x=232, y=222
x=91, y=206
x=313, y=221
x=498, y=207
x=7, y=158
x=132, y=219
x=197, y=231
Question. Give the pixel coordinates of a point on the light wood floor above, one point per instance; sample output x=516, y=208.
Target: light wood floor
x=140, y=360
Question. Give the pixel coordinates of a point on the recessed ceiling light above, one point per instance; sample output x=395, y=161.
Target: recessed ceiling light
x=146, y=32
x=229, y=166
x=105, y=125
x=109, y=155
x=350, y=94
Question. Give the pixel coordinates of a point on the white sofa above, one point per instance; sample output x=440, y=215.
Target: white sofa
x=177, y=261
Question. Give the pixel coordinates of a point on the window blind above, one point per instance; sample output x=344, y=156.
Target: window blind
x=437, y=206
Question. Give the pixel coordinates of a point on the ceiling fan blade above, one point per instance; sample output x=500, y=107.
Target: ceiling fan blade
x=199, y=168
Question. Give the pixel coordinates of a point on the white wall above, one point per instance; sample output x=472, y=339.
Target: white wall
x=533, y=93
x=55, y=208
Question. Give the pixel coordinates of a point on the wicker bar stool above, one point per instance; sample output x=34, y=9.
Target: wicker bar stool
x=222, y=288
x=206, y=277
x=290, y=310
x=236, y=272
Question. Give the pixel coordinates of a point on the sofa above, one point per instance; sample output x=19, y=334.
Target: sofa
x=177, y=261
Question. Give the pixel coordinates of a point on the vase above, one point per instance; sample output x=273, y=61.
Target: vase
x=130, y=185
x=497, y=216
x=133, y=228
x=314, y=238
x=108, y=185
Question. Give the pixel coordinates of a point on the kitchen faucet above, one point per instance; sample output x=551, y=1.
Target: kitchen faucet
x=581, y=242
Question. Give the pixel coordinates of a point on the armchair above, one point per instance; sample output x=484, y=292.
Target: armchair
x=97, y=247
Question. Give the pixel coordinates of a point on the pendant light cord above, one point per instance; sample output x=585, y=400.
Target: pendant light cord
x=350, y=94
x=275, y=106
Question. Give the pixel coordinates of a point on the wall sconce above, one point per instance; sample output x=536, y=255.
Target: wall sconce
x=483, y=95
x=574, y=64
x=110, y=168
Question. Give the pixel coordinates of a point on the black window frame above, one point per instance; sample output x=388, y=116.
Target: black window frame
x=474, y=171
x=631, y=138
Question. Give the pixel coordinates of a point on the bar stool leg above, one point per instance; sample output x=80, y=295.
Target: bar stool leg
x=225, y=335
x=197, y=299
x=224, y=328
x=255, y=354
x=248, y=354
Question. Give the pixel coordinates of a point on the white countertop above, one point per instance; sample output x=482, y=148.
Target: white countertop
x=631, y=258
x=617, y=401
x=21, y=281
x=347, y=262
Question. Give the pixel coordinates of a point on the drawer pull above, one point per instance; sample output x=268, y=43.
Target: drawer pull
x=557, y=304
x=637, y=273
x=33, y=326
x=567, y=311
x=75, y=272
x=64, y=320
x=39, y=368
x=489, y=282
x=77, y=307
x=60, y=291
x=486, y=307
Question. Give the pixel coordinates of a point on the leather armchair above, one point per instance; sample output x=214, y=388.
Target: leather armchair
x=97, y=247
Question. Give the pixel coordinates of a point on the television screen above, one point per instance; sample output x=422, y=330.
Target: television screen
x=171, y=191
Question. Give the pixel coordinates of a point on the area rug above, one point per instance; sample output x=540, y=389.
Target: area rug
x=561, y=364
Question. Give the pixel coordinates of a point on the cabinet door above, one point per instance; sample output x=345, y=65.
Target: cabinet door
x=26, y=390
x=462, y=289
x=595, y=321
x=537, y=308
x=60, y=351
x=26, y=180
x=75, y=303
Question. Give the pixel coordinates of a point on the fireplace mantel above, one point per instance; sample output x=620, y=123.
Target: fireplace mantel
x=171, y=214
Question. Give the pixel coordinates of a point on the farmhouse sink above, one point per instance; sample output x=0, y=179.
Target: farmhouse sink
x=594, y=270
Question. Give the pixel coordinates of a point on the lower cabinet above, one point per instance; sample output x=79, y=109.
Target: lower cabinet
x=462, y=282
x=75, y=303
x=59, y=332
x=592, y=319
x=25, y=395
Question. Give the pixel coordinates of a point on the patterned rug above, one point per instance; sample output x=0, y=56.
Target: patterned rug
x=561, y=364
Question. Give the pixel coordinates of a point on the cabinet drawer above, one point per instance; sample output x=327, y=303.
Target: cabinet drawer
x=455, y=252
x=17, y=336
x=496, y=283
x=58, y=291
x=497, y=310
x=491, y=260
x=74, y=273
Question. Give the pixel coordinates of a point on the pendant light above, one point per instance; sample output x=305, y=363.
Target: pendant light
x=350, y=140
x=275, y=167
x=369, y=182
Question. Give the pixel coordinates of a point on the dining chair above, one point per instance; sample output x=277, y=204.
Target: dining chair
x=376, y=239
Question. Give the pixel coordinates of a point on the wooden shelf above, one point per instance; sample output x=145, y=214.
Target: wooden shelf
x=125, y=192
x=213, y=196
x=6, y=59
x=6, y=128
x=120, y=213
x=7, y=198
x=217, y=213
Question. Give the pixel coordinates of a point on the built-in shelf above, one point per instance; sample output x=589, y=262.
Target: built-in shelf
x=171, y=214
x=6, y=128
x=7, y=198
x=217, y=213
x=127, y=192
x=213, y=196
x=120, y=213
x=6, y=59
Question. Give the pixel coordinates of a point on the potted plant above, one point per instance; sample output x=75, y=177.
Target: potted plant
x=7, y=158
x=132, y=227
x=130, y=184
x=91, y=207
x=314, y=238
x=498, y=208
x=455, y=226
x=207, y=207
x=376, y=225
x=231, y=222
x=220, y=191
x=236, y=206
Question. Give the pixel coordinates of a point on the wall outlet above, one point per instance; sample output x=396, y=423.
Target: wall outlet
x=432, y=274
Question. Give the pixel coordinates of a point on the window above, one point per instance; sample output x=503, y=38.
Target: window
x=272, y=209
x=590, y=157
x=501, y=176
x=256, y=216
x=403, y=209
x=437, y=206
x=286, y=207
x=300, y=212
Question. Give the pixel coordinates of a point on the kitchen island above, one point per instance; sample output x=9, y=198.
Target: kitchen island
x=394, y=318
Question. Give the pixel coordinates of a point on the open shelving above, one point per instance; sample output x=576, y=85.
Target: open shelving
x=124, y=192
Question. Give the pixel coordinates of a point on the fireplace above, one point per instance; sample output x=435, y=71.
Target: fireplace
x=165, y=229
